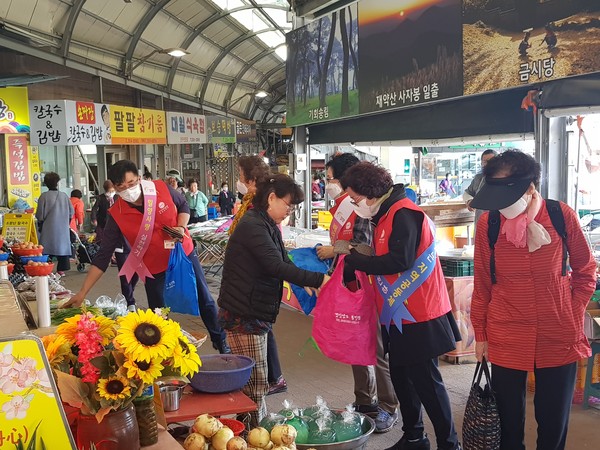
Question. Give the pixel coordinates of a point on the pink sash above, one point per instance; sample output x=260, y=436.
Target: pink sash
x=135, y=260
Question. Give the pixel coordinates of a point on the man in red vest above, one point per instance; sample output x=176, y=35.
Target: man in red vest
x=373, y=389
x=141, y=222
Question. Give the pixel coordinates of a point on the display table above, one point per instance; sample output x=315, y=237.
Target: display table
x=449, y=214
x=194, y=403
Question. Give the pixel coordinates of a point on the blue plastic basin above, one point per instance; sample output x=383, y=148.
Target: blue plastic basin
x=4, y=256
x=41, y=258
x=222, y=373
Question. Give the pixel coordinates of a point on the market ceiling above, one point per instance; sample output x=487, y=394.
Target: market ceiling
x=235, y=47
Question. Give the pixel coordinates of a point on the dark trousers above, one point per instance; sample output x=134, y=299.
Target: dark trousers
x=208, y=308
x=127, y=287
x=422, y=385
x=273, y=364
x=554, y=388
x=62, y=263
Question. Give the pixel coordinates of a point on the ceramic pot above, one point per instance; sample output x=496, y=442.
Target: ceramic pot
x=118, y=430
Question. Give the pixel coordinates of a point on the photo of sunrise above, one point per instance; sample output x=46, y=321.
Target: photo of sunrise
x=410, y=52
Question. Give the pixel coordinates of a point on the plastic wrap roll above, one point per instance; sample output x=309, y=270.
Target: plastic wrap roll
x=3, y=272
x=42, y=295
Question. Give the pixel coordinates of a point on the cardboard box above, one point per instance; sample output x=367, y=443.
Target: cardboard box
x=460, y=290
x=591, y=324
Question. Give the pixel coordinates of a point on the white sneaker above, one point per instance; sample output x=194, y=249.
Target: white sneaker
x=131, y=308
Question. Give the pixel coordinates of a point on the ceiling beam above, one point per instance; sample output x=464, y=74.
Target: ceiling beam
x=68, y=34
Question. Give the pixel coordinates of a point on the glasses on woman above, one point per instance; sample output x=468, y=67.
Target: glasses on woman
x=291, y=208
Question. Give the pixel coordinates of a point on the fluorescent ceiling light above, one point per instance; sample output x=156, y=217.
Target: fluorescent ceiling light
x=261, y=94
x=176, y=52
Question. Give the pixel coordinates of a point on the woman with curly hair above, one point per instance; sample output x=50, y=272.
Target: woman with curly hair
x=416, y=318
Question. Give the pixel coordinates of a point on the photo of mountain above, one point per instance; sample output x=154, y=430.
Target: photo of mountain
x=410, y=51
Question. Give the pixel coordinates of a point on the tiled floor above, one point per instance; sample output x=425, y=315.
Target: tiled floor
x=308, y=373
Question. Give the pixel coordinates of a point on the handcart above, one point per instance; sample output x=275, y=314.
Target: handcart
x=85, y=249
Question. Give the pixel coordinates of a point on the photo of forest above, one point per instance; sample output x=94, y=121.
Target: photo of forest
x=322, y=69
x=508, y=43
x=410, y=51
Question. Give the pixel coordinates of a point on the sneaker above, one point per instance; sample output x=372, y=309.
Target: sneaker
x=368, y=410
x=131, y=308
x=279, y=386
x=222, y=347
x=411, y=444
x=61, y=273
x=385, y=421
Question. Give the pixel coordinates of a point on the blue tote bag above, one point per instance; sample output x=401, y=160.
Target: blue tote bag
x=306, y=258
x=181, y=293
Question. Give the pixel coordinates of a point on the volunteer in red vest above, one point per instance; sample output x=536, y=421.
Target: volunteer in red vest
x=373, y=389
x=527, y=310
x=416, y=319
x=138, y=215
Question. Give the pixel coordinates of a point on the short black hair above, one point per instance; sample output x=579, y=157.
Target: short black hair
x=107, y=185
x=192, y=180
x=104, y=109
x=117, y=172
x=224, y=183
x=76, y=193
x=340, y=163
x=51, y=180
x=489, y=151
x=517, y=164
x=281, y=185
x=368, y=179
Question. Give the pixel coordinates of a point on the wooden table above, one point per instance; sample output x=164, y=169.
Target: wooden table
x=194, y=403
x=165, y=441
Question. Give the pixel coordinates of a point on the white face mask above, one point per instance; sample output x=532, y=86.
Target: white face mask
x=365, y=211
x=241, y=187
x=224, y=188
x=334, y=190
x=517, y=208
x=110, y=194
x=132, y=194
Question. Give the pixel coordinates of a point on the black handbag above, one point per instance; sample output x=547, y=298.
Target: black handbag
x=481, y=425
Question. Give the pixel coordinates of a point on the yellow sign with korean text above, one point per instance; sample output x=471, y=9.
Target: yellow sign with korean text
x=14, y=110
x=133, y=126
x=36, y=177
x=19, y=228
x=31, y=415
x=18, y=172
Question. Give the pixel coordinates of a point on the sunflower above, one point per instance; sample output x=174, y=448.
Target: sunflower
x=114, y=388
x=185, y=358
x=68, y=329
x=107, y=329
x=145, y=371
x=57, y=348
x=144, y=336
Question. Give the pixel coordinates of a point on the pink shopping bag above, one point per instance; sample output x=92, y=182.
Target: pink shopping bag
x=346, y=323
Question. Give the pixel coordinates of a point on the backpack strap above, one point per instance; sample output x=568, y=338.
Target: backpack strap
x=493, y=232
x=558, y=222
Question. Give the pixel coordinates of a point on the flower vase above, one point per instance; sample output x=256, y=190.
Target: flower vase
x=146, y=419
x=118, y=430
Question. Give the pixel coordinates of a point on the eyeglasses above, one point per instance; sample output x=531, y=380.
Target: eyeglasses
x=291, y=208
x=329, y=179
x=356, y=201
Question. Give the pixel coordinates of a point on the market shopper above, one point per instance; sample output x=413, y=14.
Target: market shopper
x=528, y=313
x=421, y=326
x=54, y=212
x=256, y=264
x=226, y=200
x=253, y=170
x=446, y=186
x=373, y=389
x=197, y=202
x=141, y=203
x=76, y=223
x=477, y=183
x=99, y=217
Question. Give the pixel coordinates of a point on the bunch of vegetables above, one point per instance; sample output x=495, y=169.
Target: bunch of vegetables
x=208, y=433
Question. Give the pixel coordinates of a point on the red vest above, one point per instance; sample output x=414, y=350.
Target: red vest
x=431, y=299
x=345, y=232
x=129, y=221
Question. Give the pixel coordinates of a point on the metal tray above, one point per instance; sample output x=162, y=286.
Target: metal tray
x=359, y=443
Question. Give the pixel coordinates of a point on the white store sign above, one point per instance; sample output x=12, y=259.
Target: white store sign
x=185, y=128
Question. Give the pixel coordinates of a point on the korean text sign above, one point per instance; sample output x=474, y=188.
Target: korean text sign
x=67, y=122
x=186, y=128
x=137, y=126
x=221, y=130
x=18, y=169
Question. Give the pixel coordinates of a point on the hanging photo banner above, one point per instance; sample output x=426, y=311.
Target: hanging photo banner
x=137, y=126
x=186, y=128
x=36, y=177
x=221, y=130
x=378, y=55
x=14, y=112
x=245, y=131
x=68, y=122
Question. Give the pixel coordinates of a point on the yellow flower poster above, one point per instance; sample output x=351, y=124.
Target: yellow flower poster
x=31, y=416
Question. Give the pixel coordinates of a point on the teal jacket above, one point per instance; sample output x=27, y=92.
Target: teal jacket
x=199, y=202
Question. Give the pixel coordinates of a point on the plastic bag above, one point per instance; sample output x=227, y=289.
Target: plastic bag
x=112, y=308
x=346, y=322
x=181, y=293
x=306, y=258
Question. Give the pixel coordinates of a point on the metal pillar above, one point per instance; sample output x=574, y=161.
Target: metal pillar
x=302, y=177
x=98, y=90
x=552, y=153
